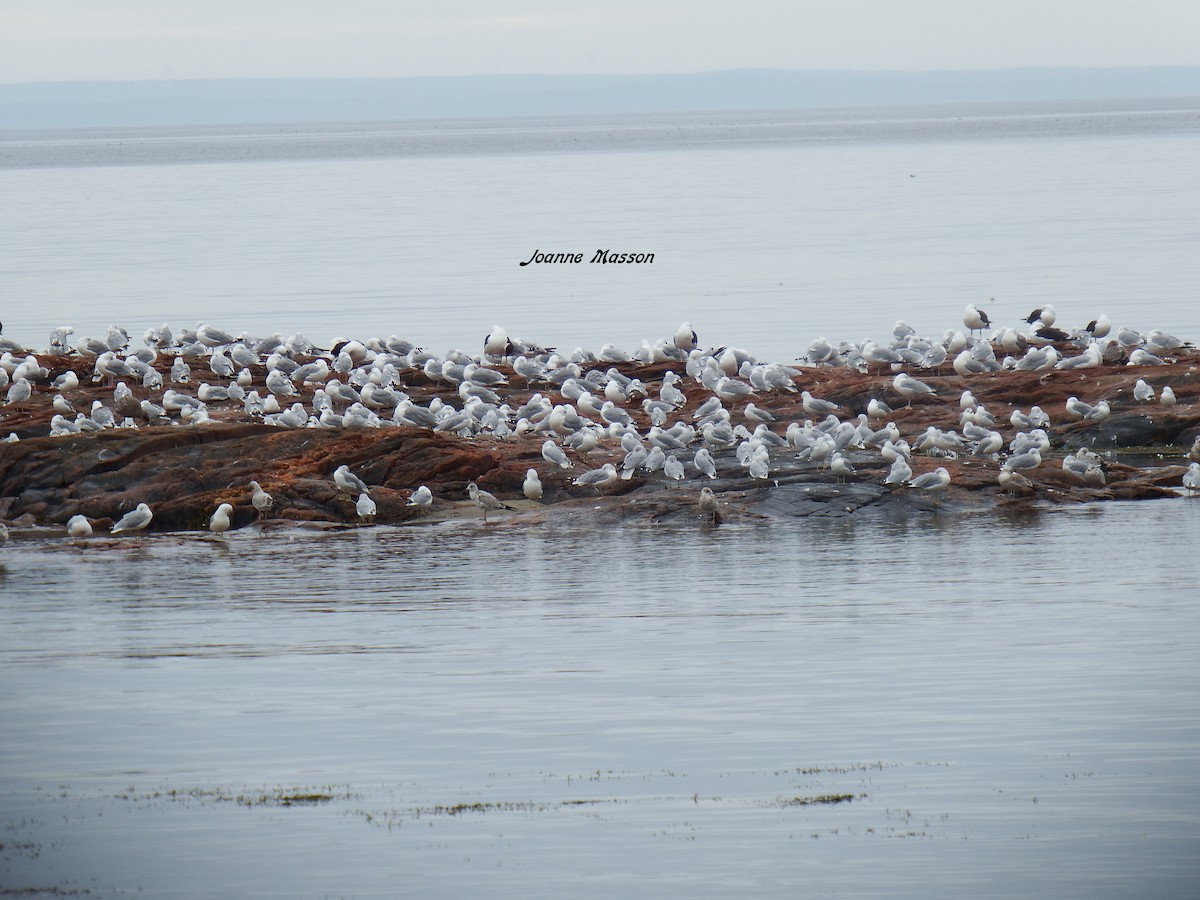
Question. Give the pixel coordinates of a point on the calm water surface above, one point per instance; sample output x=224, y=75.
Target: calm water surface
x=768, y=230
x=1003, y=706
x=961, y=707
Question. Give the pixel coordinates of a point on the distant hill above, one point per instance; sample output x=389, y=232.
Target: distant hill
x=71, y=104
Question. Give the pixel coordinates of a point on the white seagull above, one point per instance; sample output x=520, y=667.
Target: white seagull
x=907, y=386
x=532, y=488
x=136, y=520
x=349, y=483
x=220, y=520
x=79, y=527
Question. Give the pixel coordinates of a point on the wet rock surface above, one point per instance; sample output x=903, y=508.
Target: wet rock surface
x=185, y=471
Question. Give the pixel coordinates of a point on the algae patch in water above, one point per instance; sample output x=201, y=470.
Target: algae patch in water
x=826, y=799
x=279, y=797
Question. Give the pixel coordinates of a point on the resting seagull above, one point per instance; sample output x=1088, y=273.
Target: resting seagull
x=349, y=483
x=136, y=520
x=976, y=319
x=598, y=478
x=685, y=338
x=1191, y=479
x=532, y=488
x=932, y=482
x=221, y=520
x=79, y=527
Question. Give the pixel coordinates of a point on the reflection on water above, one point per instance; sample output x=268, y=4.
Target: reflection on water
x=865, y=708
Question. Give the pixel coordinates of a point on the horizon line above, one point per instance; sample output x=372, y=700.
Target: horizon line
x=603, y=75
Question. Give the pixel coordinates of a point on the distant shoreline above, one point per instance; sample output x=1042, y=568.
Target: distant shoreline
x=112, y=104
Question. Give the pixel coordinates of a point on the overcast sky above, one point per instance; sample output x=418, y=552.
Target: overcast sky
x=55, y=40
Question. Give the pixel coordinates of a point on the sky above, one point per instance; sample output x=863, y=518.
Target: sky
x=65, y=40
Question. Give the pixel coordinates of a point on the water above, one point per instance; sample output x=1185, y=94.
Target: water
x=1011, y=708
x=997, y=706
x=768, y=230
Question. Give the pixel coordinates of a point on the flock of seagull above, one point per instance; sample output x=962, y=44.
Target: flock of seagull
x=362, y=385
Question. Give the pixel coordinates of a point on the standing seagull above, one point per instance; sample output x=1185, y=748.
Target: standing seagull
x=484, y=500
x=1191, y=479
x=932, y=482
x=685, y=338
x=349, y=483
x=220, y=520
x=136, y=520
x=263, y=502
x=366, y=507
x=598, y=478
x=976, y=319
x=709, y=505
x=422, y=498
x=496, y=343
x=909, y=387
x=79, y=527
x=532, y=488
x=552, y=453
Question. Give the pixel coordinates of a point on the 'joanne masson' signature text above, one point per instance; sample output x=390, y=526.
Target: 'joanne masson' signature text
x=600, y=256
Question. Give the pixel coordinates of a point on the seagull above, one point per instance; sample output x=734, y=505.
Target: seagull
x=840, y=467
x=757, y=414
x=899, y=473
x=135, y=520
x=709, y=505
x=931, y=482
x=213, y=337
x=1045, y=315
x=1077, y=408
x=553, y=454
x=1191, y=479
x=1099, y=327
x=673, y=468
x=816, y=406
x=79, y=527
x=422, y=498
x=532, y=488
x=1142, y=391
x=263, y=502
x=365, y=507
x=705, y=463
x=1012, y=482
x=1167, y=396
x=484, y=500
x=909, y=387
x=349, y=483
x=598, y=478
x=1024, y=462
x=877, y=409
x=685, y=338
x=975, y=319
x=220, y=520
x=496, y=343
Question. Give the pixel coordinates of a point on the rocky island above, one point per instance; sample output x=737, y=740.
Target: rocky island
x=915, y=425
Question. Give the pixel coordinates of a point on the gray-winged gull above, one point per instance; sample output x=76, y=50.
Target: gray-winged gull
x=484, y=500
x=349, y=483
x=135, y=520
